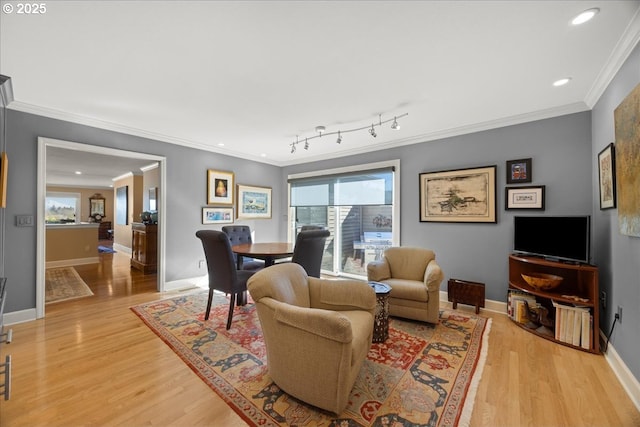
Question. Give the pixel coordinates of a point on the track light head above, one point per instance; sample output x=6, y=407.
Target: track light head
x=372, y=131
x=306, y=144
x=395, y=124
x=293, y=148
x=339, y=140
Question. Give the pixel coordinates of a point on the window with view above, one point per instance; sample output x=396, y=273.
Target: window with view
x=357, y=205
x=62, y=208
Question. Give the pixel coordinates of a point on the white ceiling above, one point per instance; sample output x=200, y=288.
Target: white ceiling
x=253, y=75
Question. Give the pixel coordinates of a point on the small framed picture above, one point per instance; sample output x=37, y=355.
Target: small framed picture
x=254, y=202
x=217, y=215
x=220, y=186
x=524, y=197
x=519, y=171
x=607, y=174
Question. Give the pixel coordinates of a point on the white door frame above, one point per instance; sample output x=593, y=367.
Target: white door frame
x=43, y=143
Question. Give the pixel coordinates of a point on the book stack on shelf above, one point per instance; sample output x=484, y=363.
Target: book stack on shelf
x=574, y=325
x=519, y=305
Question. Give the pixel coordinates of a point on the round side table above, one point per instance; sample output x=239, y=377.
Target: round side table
x=381, y=322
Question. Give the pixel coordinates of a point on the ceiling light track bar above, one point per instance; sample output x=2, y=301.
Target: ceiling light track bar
x=340, y=132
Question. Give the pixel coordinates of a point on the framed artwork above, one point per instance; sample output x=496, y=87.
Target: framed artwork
x=519, y=171
x=464, y=195
x=153, y=199
x=122, y=210
x=524, y=197
x=607, y=177
x=217, y=215
x=627, y=117
x=220, y=187
x=96, y=207
x=253, y=202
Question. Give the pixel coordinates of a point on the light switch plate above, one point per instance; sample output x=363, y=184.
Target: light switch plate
x=24, y=220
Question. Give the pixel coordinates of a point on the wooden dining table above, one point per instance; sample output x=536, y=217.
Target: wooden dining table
x=268, y=252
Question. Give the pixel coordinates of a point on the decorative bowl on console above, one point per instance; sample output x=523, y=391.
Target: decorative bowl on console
x=542, y=281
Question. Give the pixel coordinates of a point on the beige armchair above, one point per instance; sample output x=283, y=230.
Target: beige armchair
x=317, y=332
x=414, y=277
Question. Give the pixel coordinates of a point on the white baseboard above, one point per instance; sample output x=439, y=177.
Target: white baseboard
x=626, y=378
x=121, y=248
x=19, y=316
x=184, y=284
x=71, y=262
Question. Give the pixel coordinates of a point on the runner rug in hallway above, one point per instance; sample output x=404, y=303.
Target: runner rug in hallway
x=63, y=284
x=422, y=375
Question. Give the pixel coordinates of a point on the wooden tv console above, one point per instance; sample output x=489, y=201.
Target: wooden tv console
x=578, y=293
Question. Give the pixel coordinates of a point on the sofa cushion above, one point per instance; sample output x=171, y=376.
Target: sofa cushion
x=408, y=289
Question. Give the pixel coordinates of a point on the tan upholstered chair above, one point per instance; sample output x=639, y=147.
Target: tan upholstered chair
x=414, y=277
x=317, y=332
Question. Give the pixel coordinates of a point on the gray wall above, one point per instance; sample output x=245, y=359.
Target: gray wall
x=617, y=255
x=560, y=149
x=186, y=194
x=563, y=159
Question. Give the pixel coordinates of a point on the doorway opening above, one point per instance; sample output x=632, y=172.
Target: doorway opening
x=52, y=145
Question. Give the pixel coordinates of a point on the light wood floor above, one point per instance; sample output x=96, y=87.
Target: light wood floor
x=93, y=362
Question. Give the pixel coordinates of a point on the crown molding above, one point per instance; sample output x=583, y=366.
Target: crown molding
x=576, y=107
x=415, y=139
x=619, y=55
x=116, y=127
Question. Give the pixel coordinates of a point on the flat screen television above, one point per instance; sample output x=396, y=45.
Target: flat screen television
x=563, y=238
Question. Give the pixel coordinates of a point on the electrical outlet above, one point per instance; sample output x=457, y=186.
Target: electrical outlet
x=619, y=313
x=603, y=299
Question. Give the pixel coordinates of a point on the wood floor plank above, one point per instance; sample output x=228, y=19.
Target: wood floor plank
x=92, y=362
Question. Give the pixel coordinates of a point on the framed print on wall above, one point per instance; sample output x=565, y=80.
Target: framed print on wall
x=122, y=207
x=524, y=197
x=217, y=215
x=220, y=185
x=464, y=195
x=607, y=177
x=253, y=202
x=519, y=171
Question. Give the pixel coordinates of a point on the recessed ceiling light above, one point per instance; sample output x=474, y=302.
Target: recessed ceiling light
x=263, y=155
x=562, y=82
x=78, y=173
x=221, y=144
x=585, y=16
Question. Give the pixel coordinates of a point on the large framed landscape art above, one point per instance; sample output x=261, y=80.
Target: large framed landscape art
x=463, y=195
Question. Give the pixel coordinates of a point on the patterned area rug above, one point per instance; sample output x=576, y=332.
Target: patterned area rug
x=422, y=375
x=64, y=283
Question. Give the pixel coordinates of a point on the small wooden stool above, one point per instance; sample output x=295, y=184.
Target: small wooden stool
x=465, y=292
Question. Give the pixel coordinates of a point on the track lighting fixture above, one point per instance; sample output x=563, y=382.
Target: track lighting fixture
x=372, y=131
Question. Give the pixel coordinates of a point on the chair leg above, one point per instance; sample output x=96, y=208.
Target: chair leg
x=233, y=300
x=206, y=313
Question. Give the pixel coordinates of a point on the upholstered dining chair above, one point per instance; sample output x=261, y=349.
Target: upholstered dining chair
x=308, y=250
x=317, y=332
x=414, y=277
x=239, y=234
x=221, y=268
